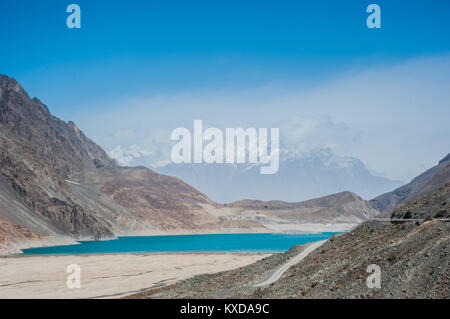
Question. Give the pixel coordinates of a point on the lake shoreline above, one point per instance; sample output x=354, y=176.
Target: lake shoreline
x=280, y=229
x=246, y=243
x=141, y=254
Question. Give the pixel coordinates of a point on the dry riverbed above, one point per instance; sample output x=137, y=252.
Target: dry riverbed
x=108, y=276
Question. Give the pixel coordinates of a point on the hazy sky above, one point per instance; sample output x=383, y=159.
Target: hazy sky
x=138, y=69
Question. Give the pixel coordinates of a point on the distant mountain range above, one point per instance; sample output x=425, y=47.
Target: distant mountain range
x=345, y=209
x=299, y=178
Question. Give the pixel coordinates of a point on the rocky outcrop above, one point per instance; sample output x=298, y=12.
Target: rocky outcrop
x=435, y=205
x=425, y=183
x=38, y=152
x=20, y=233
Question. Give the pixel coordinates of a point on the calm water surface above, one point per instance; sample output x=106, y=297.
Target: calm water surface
x=185, y=243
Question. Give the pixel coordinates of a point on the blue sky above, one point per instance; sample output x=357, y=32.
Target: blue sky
x=125, y=47
x=135, y=50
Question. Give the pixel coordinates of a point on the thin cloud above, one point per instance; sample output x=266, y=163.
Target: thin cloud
x=392, y=117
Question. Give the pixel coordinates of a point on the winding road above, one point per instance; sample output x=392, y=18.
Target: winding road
x=280, y=271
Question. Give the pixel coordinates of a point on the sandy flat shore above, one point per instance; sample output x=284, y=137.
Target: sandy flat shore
x=107, y=276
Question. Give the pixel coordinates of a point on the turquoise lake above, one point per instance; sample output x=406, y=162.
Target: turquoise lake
x=184, y=243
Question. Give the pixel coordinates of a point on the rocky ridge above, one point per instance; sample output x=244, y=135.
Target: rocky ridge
x=425, y=183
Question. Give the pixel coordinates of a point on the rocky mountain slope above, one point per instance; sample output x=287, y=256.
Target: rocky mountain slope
x=426, y=182
x=413, y=257
x=59, y=185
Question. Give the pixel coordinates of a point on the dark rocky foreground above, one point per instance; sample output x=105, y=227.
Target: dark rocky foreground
x=413, y=256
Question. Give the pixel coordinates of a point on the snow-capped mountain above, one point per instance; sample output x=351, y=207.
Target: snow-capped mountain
x=299, y=178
